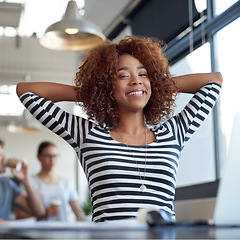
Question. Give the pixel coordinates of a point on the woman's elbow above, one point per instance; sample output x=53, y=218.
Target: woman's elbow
x=41, y=212
x=218, y=78
x=20, y=90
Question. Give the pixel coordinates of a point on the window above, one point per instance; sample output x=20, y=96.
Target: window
x=228, y=50
x=10, y=104
x=222, y=5
x=196, y=166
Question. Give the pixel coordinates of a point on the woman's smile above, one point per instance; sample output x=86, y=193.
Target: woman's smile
x=137, y=93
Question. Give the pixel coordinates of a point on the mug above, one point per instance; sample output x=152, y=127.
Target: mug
x=13, y=163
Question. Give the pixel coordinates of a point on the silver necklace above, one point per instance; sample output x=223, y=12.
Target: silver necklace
x=143, y=187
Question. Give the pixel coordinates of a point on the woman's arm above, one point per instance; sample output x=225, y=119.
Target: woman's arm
x=76, y=209
x=52, y=91
x=193, y=82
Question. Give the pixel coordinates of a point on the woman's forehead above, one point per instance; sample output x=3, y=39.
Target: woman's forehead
x=126, y=60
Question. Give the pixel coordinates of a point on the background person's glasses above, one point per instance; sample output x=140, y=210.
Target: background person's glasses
x=49, y=155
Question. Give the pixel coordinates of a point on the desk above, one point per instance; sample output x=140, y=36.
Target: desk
x=122, y=230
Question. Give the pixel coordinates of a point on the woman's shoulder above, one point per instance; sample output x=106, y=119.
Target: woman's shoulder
x=65, y=181
x=66, y=184
x=162, y=125
x=36, y=181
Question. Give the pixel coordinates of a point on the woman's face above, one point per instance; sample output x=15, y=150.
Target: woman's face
x=48, y=158
x=132, y=89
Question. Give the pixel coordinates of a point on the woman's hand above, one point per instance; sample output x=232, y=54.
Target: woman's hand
x=52, y=210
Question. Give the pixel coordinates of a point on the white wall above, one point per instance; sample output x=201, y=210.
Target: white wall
x=197, y=163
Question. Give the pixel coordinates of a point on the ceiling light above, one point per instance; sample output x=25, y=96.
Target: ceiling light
x=25, y=123
x=73, y=32
x=10, y=14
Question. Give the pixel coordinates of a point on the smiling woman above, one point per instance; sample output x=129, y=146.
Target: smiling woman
x=125, y=87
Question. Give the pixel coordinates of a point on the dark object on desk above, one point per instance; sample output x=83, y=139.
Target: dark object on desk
x=160, y=216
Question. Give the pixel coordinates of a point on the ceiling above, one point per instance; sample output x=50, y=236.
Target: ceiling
x=23, y=58
x=30, y=17
x=164, y=19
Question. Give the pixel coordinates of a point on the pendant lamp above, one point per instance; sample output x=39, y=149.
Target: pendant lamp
x=73, y=32
x=25, y=123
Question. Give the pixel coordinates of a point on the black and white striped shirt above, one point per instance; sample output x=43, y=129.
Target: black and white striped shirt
x=109, y=166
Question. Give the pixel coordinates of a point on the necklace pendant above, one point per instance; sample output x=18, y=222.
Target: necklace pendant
x=143, y=188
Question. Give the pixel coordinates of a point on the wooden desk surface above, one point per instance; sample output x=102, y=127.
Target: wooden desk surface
x=122, y=230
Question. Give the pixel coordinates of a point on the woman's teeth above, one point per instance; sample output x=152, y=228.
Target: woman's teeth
x=136, y=93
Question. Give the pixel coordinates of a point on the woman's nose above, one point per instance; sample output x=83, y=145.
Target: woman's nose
x=136, y=81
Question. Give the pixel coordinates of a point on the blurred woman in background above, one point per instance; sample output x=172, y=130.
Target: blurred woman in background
x=55, y=190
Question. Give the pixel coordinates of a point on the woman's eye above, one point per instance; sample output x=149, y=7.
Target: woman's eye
x=123, y=76
x=142, y=74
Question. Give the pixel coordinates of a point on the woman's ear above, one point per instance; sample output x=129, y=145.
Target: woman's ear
x=38, y=156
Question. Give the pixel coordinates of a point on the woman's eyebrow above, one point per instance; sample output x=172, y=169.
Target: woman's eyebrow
x=125, y=68
x=141, y=67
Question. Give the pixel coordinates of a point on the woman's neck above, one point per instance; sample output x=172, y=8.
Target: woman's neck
x=49, y=177
x=132, y=123
x=132, y=130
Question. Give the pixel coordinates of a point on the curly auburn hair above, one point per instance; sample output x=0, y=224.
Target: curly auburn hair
x=97, y=75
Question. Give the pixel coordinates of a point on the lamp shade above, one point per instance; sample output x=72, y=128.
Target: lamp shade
x=73, y=32
x=25, y=123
